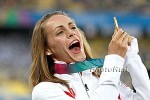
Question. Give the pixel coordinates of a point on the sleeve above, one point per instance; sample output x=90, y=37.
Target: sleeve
x=138, y=72
x=109, y=79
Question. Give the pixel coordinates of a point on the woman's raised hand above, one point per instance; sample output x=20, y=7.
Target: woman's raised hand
x=119, y=43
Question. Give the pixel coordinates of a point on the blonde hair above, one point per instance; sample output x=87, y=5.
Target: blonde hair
x=41, y=68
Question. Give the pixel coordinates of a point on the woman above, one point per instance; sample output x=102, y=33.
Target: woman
x=57, y=42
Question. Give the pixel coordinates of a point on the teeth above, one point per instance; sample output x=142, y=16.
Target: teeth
x=74, y=42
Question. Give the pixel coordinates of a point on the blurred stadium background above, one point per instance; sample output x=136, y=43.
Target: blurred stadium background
x=94, y=17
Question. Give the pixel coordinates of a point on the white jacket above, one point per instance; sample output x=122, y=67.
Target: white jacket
x=107, y=87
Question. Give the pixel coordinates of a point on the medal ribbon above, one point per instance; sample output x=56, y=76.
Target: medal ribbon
x=78, y=66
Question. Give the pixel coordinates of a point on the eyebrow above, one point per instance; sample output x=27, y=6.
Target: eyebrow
x=62, y=25
x=70, y=23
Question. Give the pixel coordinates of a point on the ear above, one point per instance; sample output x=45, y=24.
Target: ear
x=48, y=52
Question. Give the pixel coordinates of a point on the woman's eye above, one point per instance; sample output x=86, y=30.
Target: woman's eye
x=73, y=27
x=60, y=32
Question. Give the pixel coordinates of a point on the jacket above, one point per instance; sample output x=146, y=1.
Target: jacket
x=107, y=87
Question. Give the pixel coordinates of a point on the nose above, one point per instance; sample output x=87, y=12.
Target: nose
x=70, y=34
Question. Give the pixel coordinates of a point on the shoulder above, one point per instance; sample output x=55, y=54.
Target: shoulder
x=43, y=85
x=45, y=90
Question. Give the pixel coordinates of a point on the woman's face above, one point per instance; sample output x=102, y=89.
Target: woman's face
x=64, y=39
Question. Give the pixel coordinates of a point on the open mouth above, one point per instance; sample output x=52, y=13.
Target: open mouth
x=75, y=47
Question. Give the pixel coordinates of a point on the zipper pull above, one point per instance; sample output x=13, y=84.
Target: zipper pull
x=86, y=87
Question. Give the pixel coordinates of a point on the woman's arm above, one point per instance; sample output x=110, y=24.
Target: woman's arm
x=110, y=77
x=138, y=72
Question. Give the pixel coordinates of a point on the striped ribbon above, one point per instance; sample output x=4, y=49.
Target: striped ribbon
x=78, y=66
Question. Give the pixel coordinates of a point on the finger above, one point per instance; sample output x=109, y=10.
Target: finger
x=122, y=36
x=125, y=40
x=129, y=40
x=114, y=33
x=117, y=34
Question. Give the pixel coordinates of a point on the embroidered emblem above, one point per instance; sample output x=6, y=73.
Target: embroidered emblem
x=70, y=93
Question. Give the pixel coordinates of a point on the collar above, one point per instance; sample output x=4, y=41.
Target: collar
x=62, y=62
